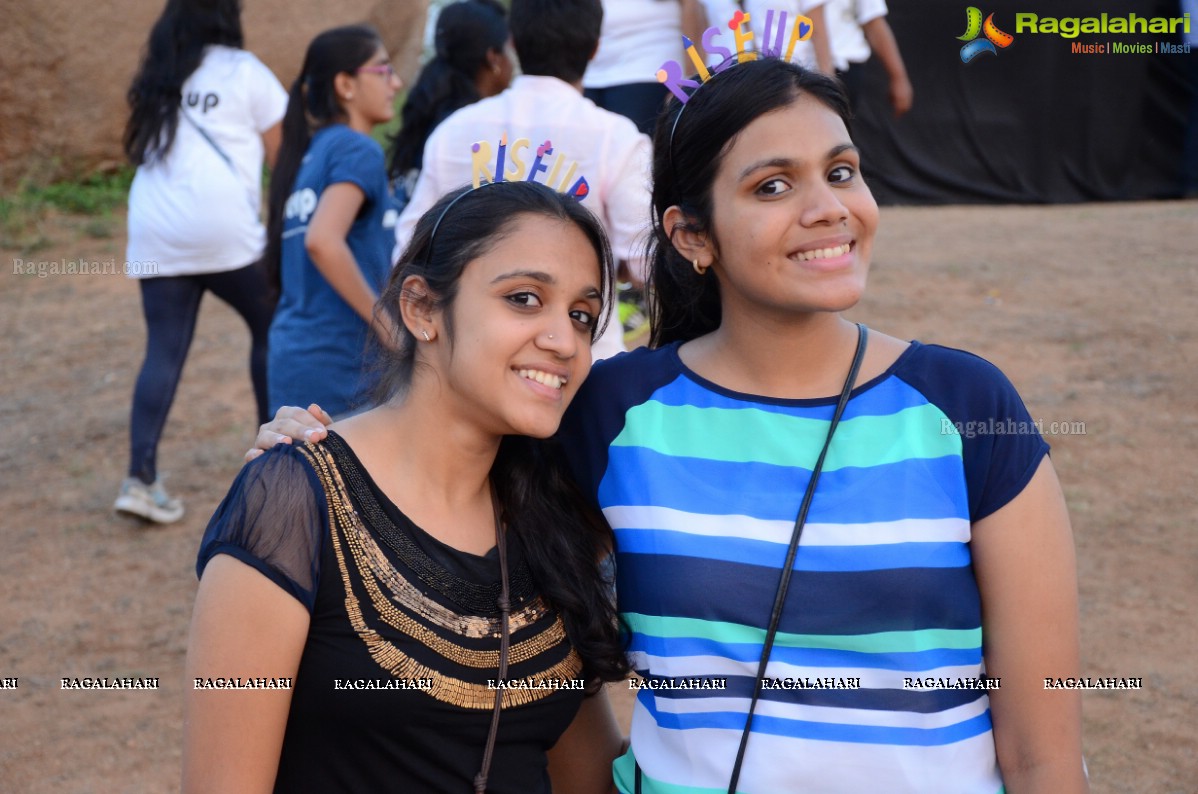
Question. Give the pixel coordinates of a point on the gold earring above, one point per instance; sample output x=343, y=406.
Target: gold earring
x=700, y=270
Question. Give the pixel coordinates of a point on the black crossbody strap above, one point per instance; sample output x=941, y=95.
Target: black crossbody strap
x=788, y=567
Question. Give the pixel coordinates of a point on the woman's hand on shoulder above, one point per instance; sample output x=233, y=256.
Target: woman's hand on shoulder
x=291, y=422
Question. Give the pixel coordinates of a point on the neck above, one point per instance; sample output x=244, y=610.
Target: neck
x=357, y=122
x=433, y=460
x=797, y=357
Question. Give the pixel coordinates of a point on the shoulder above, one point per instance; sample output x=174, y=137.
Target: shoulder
x=619, y=383
x=941, y=368
x=273, y=519
x=281, y=471
x=253, y=68
x=340, y=144
x=231, y=62
x=1001, y=444
x=642, y=365
x=467, y=118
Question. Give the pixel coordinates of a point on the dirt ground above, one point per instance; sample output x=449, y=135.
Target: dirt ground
x=1089, y=309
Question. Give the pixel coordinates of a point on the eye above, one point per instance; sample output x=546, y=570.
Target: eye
x=773, y=187
x=584, y=318
x=841, y=173
x=527, y=299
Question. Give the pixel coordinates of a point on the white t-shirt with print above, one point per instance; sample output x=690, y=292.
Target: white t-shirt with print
x=190, y=211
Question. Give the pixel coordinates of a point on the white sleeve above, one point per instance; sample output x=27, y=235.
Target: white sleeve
x=268, y=98
x=627, y=200
x=869, y=10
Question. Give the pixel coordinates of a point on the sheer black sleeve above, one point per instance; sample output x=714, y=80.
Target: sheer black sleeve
x=273, y=519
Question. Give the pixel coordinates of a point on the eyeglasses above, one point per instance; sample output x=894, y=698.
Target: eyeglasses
x=385, y=69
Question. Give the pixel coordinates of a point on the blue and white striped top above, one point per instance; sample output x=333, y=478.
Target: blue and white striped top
x=702, y=486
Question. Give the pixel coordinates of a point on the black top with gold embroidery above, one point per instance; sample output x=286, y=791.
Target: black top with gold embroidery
x=393, y=692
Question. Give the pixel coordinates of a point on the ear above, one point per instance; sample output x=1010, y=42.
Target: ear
x=343, y=85
x=417, y=309
x=690, y=244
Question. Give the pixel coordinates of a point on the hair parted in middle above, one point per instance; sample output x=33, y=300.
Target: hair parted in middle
x=683, y=305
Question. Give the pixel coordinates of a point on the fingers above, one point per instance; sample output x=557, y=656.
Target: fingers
x=317, y=412
x=290, y=423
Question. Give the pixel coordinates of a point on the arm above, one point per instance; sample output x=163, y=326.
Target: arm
x=881, y=41
x=1027, y=574
x=820, y=41
x=325, y=242
x=244, y=625
x=580, y=762
x=272, y=138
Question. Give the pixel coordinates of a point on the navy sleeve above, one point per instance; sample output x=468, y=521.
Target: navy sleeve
x=1001, y=445
x=596, y=416
x=273, y=519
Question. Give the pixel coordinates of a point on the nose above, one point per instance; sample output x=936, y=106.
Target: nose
x=822, y=206
x=558, y=336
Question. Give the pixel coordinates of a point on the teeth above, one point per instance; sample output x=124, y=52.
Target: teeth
x=823, y=253
x=545, y=378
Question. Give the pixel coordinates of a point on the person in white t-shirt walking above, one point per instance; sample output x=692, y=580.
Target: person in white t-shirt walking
x=204, y=115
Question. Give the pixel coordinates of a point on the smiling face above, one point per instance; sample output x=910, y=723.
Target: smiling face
x=519, y=344
x=793, y=222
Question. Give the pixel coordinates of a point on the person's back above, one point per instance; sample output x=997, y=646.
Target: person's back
x=204, y=116
x=554, y=41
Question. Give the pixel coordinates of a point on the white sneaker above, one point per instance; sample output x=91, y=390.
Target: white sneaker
x=150, y=502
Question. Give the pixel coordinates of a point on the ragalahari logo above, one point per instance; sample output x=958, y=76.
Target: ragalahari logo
x=974, y=26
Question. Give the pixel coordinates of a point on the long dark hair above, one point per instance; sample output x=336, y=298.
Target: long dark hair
x=562, y=539
x=466, y=32
x=682, y=304
x=311, y=104
x=174, y=50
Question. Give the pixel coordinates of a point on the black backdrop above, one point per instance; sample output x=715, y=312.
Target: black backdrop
x=1034, y=124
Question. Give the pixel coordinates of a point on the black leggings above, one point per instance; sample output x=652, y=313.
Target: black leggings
x=170, y=305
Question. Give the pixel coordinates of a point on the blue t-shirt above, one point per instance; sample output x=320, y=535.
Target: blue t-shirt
x=317, y=341
x=883, y=617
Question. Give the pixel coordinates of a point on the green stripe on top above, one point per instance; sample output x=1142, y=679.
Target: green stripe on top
x=917, y=433
x=736, y=633
x=624, y=769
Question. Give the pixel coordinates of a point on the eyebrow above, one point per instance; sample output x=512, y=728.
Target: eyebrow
x=786, y=162
x=544, y=278
x=535, y=275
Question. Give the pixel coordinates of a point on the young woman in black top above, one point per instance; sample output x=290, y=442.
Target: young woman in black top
x=369, y=571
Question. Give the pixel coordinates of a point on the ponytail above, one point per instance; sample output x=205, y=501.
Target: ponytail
x=311, y=104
